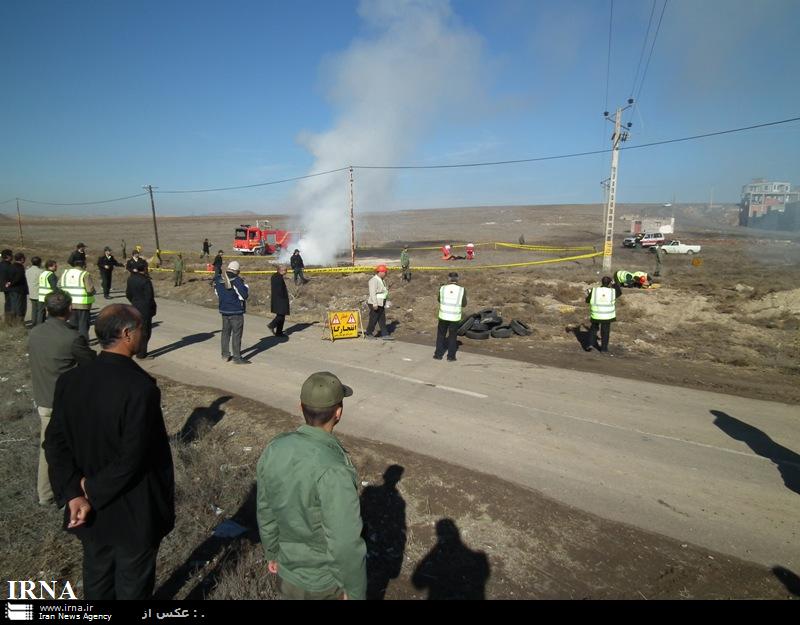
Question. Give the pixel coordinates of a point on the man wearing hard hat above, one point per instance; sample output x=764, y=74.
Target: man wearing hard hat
x=377, y=301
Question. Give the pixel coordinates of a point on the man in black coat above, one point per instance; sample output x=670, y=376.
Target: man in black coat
x=5, y=266
x=16, y=290
x=140, y=294
x=106, y=264
x=79, y=253
x=279, y=301
x=110, y=462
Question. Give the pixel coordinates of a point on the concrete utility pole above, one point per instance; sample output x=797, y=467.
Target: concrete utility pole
x=150, y=188
x=19, y=223
x=352, y=224
x=618, y=137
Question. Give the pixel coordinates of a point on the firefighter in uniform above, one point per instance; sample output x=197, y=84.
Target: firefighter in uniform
x=78, y=283
x=452, y=299
x=602, y=311
x=48, y=282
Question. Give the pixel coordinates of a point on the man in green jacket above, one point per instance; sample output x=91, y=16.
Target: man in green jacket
x=308, y=509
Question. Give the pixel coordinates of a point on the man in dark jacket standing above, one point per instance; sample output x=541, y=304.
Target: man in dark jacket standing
x=17, y=290
x=110, y=462
x=140, y=294
x=279, y=301
x=232, y=292
x=79, y=253
x=296, y=261
x=106, y=264
x=5, y=265
x=54, y=347
x=217, y=264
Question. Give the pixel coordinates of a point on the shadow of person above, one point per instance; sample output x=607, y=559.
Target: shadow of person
x=584, y=336
x=269, y=342
x=391, y=327
x=787, y=461
x=383, y=511
x=191, y=339
x=201, y=420
x=451, y=570
x=789, y=579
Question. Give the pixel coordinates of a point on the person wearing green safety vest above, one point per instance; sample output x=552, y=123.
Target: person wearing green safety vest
x=452, y=300
x=48, y=282
x=78, y=283
x=624, y=278
x=602, y=311
x=641, y=279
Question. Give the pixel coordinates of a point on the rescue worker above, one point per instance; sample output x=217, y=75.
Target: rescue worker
x=452, y=300
x=470, y=251
x=79, y=253
x=602, y=311
x=78, y=283
x=297, y=265
x=48, y=282
x=641, y=279
x=624, y=278
x=206, y=249
x=377, y=300
x=177, y=270
x=658, y=252
x=217, y=264
x=405, y=264
x=32, y=274
x=106, y=264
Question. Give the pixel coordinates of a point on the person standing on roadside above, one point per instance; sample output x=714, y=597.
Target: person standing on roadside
x=405, y=264
x=48, y=282
x=53, y=347
x=232, y=292
x=206, y=253
x=110, y=462
x=106, y=264
x=452, y=300
x=32, y=274
x=79, y=253
x=17, y=290
x=218, y=264
x=307, y=505
x=602, y=311
x=140, y=294
x=279, y=301
x=124, y=249
x=78, y=283
x=177, y=270
x=6, y=256
x=377, y=299
x=297, y=264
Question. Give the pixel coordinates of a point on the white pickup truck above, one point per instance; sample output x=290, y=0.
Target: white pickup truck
x=676, y=247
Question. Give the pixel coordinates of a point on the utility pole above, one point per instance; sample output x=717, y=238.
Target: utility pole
x=150, y=188
x=352, y=223
x=618, y=137
x=19, y=223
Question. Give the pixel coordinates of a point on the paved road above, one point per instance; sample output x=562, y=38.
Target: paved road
x=641, y=453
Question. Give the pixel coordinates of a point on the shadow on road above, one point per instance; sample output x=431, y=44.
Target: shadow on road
x=788, y=579
x=191, y=339
x=583, y=335
x=383, y=511
x=787, y=461
x=202, y=420
x=451, y=570
x=271, y=341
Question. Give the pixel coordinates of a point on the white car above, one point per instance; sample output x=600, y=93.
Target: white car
x=676, y=247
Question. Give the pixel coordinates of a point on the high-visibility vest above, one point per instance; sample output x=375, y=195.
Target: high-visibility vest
x=72, y=282
x=601, y=303
x=44, y=284
x=638, y=275
x=450, y=296
x=623, y=276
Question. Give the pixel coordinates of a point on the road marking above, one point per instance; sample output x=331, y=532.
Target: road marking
x=414, y=380
x=663, y=436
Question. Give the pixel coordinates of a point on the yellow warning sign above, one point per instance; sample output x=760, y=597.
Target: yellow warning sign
x=344, y=324
x=696, y=262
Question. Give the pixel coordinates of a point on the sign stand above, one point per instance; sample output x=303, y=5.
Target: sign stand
x=342, y=324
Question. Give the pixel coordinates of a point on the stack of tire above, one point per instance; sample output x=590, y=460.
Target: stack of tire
x=488, y=323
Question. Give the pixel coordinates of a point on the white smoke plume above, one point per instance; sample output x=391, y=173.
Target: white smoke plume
x=389, y=88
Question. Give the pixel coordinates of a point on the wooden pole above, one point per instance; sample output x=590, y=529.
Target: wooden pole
x=149, y=188
x=19, y=223
x=352, y=224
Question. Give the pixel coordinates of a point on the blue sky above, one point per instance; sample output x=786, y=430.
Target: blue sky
x=100, y=98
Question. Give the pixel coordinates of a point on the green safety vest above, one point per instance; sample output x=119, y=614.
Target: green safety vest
x=44, y=284
x=72, y=282
x=623, y=276
x=450, y=296
x=601, y=303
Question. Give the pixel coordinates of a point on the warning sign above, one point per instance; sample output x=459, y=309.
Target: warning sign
x=344, y=324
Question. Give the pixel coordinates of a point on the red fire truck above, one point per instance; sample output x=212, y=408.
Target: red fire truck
x=260, y=239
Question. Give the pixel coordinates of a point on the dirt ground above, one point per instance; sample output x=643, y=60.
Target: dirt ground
x=433, y=529
x=731, y=324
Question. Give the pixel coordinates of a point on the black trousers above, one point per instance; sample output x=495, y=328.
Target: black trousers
x=35, y=314
x=111, y=572
x=447, y=336
x=605, y=333
x=80, y=320
x=105, y=279
x=147, y=332
x=277, y=324
x=17, y=307
x=377, y=315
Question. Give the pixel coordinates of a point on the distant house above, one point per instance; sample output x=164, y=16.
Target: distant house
x=652, y=224
x=786, y=220
x=761, y=197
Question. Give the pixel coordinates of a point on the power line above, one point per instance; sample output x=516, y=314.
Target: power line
x=652, y=47
x=116, y=199
x=644, y=47
x=260, y=184
x=608, y=56
x=7, y=201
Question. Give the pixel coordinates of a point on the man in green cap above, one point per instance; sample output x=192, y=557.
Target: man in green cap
x=308, y=509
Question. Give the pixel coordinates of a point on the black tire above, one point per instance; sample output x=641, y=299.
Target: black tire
x=480, y=336
x=520, y=327
x=468, y=322
x=479, y=326
x=690, y=252
x=488, y=312
x=502, y=332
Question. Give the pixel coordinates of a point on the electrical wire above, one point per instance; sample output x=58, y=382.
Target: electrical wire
x=652, y=47
x=7, y=201
x=260, y=184
x=644, y=47
x=608, y=55
x=116, y=199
